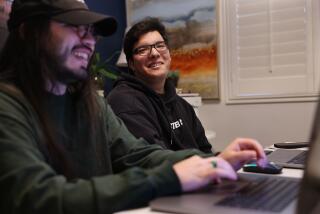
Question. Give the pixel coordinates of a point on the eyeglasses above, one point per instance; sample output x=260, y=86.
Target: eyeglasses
x=145, y=50
x=83, y=30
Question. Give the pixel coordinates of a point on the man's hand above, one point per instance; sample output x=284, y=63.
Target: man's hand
x=196, y=172
x=242, y=150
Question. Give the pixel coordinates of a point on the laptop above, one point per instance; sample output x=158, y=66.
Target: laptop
x=255, y=193
x=289, y=158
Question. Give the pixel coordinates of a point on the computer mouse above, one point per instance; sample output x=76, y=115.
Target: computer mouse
x=270, y=168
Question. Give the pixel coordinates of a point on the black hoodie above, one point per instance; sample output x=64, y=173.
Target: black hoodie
x=167, y=120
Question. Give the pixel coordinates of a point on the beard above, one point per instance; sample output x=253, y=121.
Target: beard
x=66, y=75
x=59, y=72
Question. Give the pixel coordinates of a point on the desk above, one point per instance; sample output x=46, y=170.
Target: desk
x=286, y=172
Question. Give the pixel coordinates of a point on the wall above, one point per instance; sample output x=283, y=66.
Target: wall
x=116, y=8
x=268, y=123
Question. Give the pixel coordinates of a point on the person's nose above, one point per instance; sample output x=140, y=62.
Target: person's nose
x=89, y=43
x=89, y=39
x=86, y=32
x=153, y=51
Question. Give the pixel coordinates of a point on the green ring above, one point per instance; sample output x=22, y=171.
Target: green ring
x=214, y=164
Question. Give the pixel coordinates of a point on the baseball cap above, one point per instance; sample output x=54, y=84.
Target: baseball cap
x=73, y=12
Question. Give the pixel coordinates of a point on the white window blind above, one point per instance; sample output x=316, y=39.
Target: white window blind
x=271, y=50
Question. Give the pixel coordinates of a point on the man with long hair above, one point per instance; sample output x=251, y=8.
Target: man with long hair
x=62, y=149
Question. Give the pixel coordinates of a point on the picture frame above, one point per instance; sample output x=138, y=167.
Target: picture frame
x=192, y=32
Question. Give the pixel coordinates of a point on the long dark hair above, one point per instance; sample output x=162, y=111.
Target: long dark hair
x=23, y=63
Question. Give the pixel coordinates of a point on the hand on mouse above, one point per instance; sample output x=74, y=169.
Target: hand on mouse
x=243, y=150
x=270, y=168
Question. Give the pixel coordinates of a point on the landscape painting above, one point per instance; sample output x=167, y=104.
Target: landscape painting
x=192, y=30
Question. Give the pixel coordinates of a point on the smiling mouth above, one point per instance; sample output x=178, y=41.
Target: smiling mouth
x=155, y=65
x=81, y=55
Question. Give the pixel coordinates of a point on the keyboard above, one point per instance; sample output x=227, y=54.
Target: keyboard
x=266, y=194
x=299, y=159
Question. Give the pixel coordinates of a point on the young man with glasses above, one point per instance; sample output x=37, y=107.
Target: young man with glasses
x=62, y=149
x=148, y=103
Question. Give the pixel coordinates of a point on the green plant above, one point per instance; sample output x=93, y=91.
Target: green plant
x=174, y=74
x=100, y=70
x=174, y=77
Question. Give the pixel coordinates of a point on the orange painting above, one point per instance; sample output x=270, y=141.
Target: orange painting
x=192, y=31
x=198, y=70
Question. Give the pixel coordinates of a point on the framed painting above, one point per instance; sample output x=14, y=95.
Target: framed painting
x=192, y=31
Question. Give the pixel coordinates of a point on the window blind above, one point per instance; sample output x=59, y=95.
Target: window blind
x=271, y=49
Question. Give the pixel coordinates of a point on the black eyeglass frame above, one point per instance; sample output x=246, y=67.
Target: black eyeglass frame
x=145, y=50
x=83, y=30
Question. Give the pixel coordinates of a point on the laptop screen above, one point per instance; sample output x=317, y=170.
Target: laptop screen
x=309, y=198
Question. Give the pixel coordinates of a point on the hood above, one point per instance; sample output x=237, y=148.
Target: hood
x=128, y=79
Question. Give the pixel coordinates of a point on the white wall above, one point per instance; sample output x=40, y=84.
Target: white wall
x=268, y=123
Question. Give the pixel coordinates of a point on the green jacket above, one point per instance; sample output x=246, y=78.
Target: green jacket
x=131, y=174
